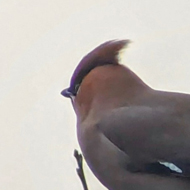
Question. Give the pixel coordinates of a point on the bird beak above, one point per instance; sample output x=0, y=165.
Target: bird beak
x=66, y=93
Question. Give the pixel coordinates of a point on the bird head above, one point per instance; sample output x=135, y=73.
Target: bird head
x=100, y=82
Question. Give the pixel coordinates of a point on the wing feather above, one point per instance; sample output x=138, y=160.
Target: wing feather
x=149, y=135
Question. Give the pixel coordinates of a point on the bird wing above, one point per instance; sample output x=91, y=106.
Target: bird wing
x=156, y=139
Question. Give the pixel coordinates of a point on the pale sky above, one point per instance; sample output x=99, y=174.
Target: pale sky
x=41, y=42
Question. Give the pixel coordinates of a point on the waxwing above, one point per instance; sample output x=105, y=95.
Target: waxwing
x=132, y=136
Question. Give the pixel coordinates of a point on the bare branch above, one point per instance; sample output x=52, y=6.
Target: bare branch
x=79, y=170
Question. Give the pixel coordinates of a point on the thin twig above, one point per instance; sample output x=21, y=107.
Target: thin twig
x=79, y=170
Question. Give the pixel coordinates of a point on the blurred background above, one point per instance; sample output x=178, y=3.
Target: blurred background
x=41, y=42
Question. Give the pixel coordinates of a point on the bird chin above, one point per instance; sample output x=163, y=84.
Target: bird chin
x=72, y=99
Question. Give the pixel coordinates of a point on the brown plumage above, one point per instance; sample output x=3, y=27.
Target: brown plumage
x=132, y=137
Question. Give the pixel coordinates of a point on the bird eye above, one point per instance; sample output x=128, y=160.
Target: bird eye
x=77, y=88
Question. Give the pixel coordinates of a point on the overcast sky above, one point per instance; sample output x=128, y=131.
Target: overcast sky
x=41, y=42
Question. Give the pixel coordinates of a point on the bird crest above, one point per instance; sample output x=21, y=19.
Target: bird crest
x=106, y=53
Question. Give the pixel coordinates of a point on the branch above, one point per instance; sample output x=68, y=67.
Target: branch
x=79, y=170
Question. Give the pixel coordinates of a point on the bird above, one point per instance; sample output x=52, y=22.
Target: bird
x=133, y=137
